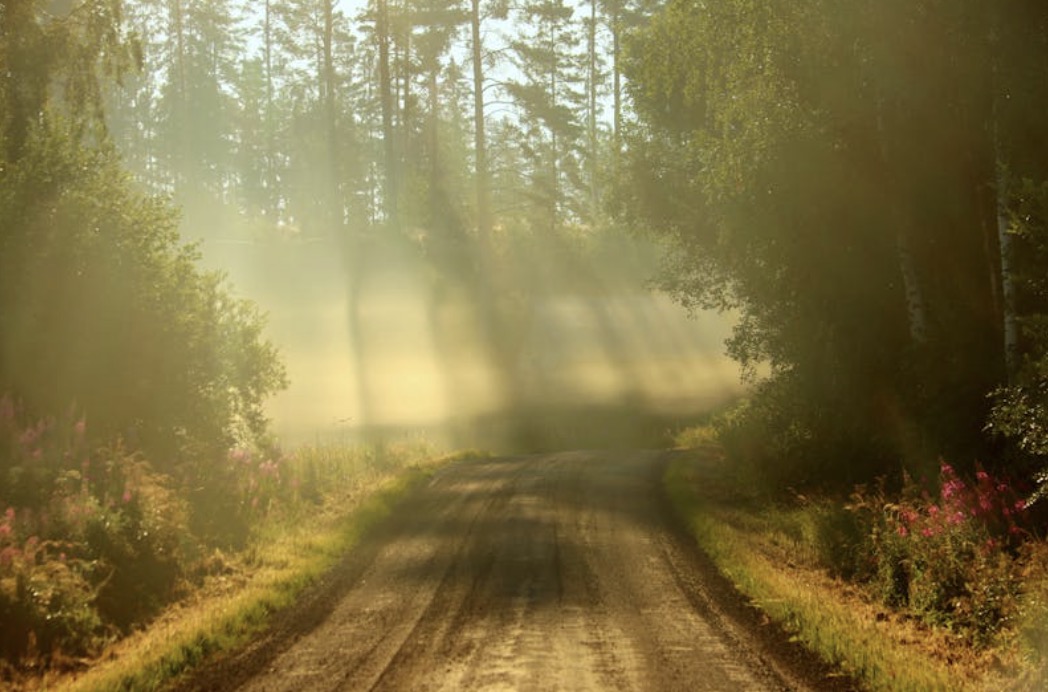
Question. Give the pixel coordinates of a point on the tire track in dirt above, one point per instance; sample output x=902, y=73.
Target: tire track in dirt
x=557, y=571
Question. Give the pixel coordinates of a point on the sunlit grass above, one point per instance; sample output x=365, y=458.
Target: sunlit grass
x=287, y=554
x=764, y=552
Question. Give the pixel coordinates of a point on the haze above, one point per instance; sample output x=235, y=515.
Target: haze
x=418, y=361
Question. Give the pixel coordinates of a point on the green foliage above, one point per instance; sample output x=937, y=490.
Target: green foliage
x=63, y=52
x=1020, y=409
x=45, y=601
x=732, y=170
x=94, y=541
x=102, y=305
x=233, y=493
x=949, y=559
x=837, y=536
x=100, y=302
x=837, y=197
x=549, y=95
x=955, y=558
x=746, y=547
x=90, y=541
x=286, y=556
x=139, y=532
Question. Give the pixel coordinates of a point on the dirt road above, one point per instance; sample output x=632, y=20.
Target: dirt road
x=549, y=572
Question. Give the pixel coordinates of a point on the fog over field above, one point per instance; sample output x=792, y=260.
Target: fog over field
x=417, y=360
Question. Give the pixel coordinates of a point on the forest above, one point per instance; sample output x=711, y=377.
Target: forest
x=860, y=187
x=863, y=182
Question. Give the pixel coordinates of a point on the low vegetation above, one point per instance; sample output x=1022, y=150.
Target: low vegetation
x=936, y=583
x=102, y=557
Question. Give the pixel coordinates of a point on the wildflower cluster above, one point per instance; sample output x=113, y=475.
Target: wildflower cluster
x=232, y=495
x=94, y=540
x=261, y=480
x=90, y=541
x=949, y=556
x=989, y=502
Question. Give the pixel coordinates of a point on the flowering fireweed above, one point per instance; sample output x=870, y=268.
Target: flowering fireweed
x=90, y=541
x=94, y=541
x=949, y=557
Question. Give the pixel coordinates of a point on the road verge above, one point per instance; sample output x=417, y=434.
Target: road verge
x=288, y=559
x=832, y=618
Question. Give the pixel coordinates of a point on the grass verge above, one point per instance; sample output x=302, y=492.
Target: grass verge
x=836, y=620
x=235, y=605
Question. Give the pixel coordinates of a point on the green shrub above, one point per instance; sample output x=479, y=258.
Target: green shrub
x=247, y=484
x=949, y=558
x=94, y=541
x=696, y=436
x=140, y=537
x=90, y=541
x=46, y=602
x=102, y=304
x=838, y=536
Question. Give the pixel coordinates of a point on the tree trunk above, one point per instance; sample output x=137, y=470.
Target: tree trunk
x=1004, y=239
x=385, y=87
x=916, y=314
x=181, y=97
x=616, y=52
x=23, y=76
x=334, y=212
x=271, y=203
x=479, y=143
x=591, y=124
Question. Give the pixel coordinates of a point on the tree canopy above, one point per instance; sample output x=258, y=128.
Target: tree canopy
x=102, y=305
x=838, y=174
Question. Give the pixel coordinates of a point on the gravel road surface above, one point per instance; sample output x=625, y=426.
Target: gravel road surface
x=549, y=572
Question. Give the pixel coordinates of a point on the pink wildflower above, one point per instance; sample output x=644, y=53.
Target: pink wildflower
x=126, y=497
x=1020, y=505
x=80, y=428
x=927, y=532
x=902, y=530
x=982, y=476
